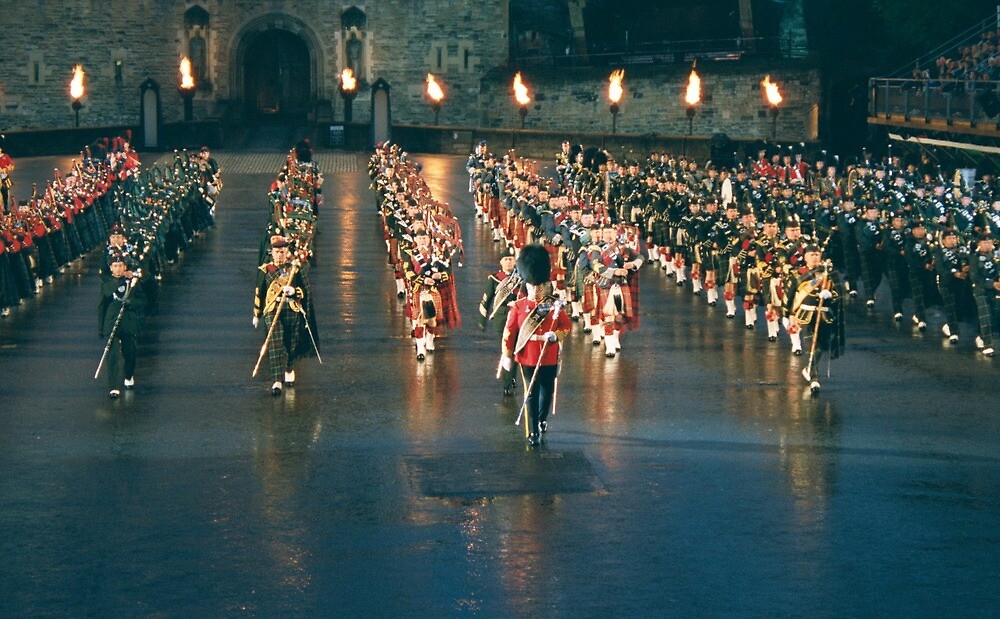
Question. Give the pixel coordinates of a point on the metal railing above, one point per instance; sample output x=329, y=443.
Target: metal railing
x=972, y=102
x=969, y=36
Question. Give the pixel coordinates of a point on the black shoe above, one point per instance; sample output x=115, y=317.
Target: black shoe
x=772, y=338
x=750, y=327
x=532, y=440
x=711, y=303
x=797, y=352
x=114, y=393
x=587, y=330
x=420, y=356
x=543, y=426
x=400, y=295
x=508, y=391
x=610, y=355
x=276, y=388
x=575, y=318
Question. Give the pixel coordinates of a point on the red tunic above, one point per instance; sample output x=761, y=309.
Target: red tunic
x=529, y=355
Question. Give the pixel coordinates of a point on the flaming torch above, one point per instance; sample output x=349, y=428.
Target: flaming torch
x=521, y=95
x=615, y=92
x=436, y=95
x=76, y=91
x=773, y=99
x=692, y=97
x=348, y=90
x=186, y=88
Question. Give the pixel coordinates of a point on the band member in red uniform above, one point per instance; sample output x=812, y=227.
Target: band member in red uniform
x=535, y=326
x=6, y=167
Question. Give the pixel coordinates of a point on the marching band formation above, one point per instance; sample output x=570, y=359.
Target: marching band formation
x=423, y=242
x=157, y=214
x=784, y=240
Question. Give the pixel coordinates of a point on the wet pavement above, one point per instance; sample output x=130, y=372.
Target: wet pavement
x=691, y=476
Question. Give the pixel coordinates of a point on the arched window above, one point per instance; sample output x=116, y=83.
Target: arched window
x=196, y=22
x=196, y=17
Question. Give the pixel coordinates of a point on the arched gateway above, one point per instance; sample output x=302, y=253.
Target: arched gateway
x=276, y=66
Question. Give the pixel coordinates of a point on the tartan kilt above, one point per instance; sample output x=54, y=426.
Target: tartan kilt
x=559, y=278
x=393, y=257
x=774, y=291
x=509, y=221
x=557, y=269
x=589, y=297
x=660, y=231
x=520, y=233
x=713, y=261
x=413, y=302
x=493, y=210
x=730, y=268
x=628, y=319
x=749, y=281
x=695, y=253
x=448, y=315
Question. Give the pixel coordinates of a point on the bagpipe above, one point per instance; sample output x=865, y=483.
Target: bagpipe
x=292, y=207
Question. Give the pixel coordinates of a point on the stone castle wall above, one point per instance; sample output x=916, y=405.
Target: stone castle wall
x=653, y=102
x=122, y=43
x=402, y=41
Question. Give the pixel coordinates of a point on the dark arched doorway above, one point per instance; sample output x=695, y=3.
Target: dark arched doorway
x=276, y=73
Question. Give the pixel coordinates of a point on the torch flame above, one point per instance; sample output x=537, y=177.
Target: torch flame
x=520, y=90
x=434, y=89
x=347, y=80
x=187, y=79
x=693, y=94
x=76, y=85
x=615, y=89
x=771, y=90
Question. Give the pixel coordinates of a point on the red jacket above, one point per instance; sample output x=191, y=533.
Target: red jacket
x=529, y=355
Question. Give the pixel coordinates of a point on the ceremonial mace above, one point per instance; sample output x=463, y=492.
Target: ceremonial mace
x=274, y=322
x=527, y=390
x=114, y=328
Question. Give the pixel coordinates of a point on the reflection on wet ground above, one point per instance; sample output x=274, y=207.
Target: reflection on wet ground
x=712, y=484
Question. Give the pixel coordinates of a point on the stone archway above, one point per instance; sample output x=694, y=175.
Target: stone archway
x=276, y=66
x=276, y=74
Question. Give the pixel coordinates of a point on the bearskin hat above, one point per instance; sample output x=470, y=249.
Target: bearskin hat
x=303, y=151
x=534, y=265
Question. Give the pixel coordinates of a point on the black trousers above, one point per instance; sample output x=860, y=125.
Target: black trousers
x=541, y=394
x=123, y=349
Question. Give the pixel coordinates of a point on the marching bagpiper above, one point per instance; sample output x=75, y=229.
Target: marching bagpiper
x=120, y=315
x=284, y=300
x=815, y=304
